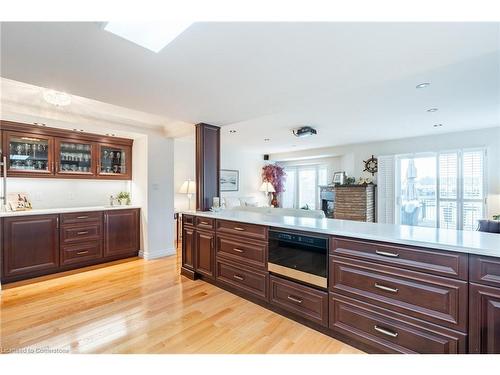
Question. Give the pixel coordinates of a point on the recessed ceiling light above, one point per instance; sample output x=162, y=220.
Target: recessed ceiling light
x=57, y=98
x=437, y=125
x=432, y=110
x=151, y=35
x=110, y=134
x=423, y=85
x=266, y=139
x=232, y=131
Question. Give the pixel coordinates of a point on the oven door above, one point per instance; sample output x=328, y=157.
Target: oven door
x=299, y=257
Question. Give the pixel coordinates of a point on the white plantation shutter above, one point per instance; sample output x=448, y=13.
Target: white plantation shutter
x=448, y=175
x=385, y=189
x=473, y=188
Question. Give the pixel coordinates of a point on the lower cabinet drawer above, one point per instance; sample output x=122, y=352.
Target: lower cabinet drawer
x=82, y=252
x=80, y=233
x=387, y=332
x=436, y=299
x=301, y=300
x=247, y=280
x=253, y=253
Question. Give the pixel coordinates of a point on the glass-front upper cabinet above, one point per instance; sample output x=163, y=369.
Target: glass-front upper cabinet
x=115, y=161
x=74, y=157
x=28, y=153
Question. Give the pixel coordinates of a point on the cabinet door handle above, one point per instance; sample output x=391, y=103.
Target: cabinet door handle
x=386, y=254
x=82, y=252
x=386, y=288
x=238, y=250
x=82, y=217
x=295, y=299
x=385, y=331
x=239, y=277
x=239, y=229
x=204, y=223
x=81, y=233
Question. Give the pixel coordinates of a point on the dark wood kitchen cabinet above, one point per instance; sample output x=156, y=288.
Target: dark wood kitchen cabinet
x=188, y=247
x=205, y=253
x=36, y=151
x=30, y=246
x=484, y=323
x=121, y=232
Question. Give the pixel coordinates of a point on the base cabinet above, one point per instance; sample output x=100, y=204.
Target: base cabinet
x=204, y=259
x=30, y=246
x=121, y=232
x=484, y=324
x=188, y=247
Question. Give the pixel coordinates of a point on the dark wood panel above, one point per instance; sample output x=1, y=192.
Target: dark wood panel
x=388, y=332
x=304, y=301
x=81, y=252
x=437, y=262
x=207, y=165
x=204, y=223
x=251, y=252
x=242, y=230
x=81, y=217
x=244, y=279
x=121, y=232
x=204, y=259
x=188, y=247
x=484, y=322
x=436, y=299
x=484, y=270
x=81, y=233
x=30, y=245
x=187, y=220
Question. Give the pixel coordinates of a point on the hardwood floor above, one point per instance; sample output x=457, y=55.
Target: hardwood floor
x=139, y=306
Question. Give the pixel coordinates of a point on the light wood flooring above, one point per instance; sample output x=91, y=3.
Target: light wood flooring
x=138, y=306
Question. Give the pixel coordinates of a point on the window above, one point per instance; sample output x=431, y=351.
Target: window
x=302, y=186
x=444, y=190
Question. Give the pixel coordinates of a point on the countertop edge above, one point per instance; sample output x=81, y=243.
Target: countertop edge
x=49, y=211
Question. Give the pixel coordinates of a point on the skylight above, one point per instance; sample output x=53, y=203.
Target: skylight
x=151, y=35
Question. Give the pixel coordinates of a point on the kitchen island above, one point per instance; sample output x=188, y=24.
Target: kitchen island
x=387, y=288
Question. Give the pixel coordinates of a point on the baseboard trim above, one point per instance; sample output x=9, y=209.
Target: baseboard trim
x=156, y=254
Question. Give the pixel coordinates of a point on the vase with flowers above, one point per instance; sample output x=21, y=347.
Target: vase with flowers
x=275, y=175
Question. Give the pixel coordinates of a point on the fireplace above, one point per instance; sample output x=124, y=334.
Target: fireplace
x=327, y=197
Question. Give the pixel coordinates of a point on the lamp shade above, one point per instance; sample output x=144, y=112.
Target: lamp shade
x=267, y=187
x=188, y=187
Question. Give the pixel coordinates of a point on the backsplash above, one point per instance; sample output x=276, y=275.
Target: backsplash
x=60, y=193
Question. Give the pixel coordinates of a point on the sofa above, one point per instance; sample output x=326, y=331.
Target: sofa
x=251, y=204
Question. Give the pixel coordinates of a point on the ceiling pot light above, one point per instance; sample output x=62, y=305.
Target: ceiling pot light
x=423, y=85
x=437, y=125
x=432, y=110
x=266, y=139
x=57, y=98
x=232, y=131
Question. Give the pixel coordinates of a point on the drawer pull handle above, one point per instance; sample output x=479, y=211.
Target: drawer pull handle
x=82, y=252
x=82, y=217
x=386, y=288
x=204, y=223
x=81, y=233
x=385, y=331
x=295, y=299
x=239, y=277
x=239, y=229
x=238, y=250
x=387, y=254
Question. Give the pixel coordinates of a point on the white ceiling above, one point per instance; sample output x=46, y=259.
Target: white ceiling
x=354, y=82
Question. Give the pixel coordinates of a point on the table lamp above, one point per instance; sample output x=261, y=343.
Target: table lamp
x=267, y=187
x=188, y=187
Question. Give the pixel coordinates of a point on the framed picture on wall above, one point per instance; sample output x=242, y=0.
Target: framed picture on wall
x=229, y=180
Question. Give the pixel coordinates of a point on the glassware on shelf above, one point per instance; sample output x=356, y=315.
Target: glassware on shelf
x=113, y=160
x=28, y=154
x=75, y=157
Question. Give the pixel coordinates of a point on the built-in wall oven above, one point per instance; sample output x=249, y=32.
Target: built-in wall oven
x=299, y=256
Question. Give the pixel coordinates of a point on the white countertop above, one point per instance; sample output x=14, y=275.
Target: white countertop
x=471, y=242
x=45, y=211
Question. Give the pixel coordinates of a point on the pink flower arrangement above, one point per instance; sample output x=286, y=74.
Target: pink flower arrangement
x=275, y=175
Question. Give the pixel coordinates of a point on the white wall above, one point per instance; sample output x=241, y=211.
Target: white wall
x=249, y=165
x=352, y=156
x=49, y=193
x=184, y=169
